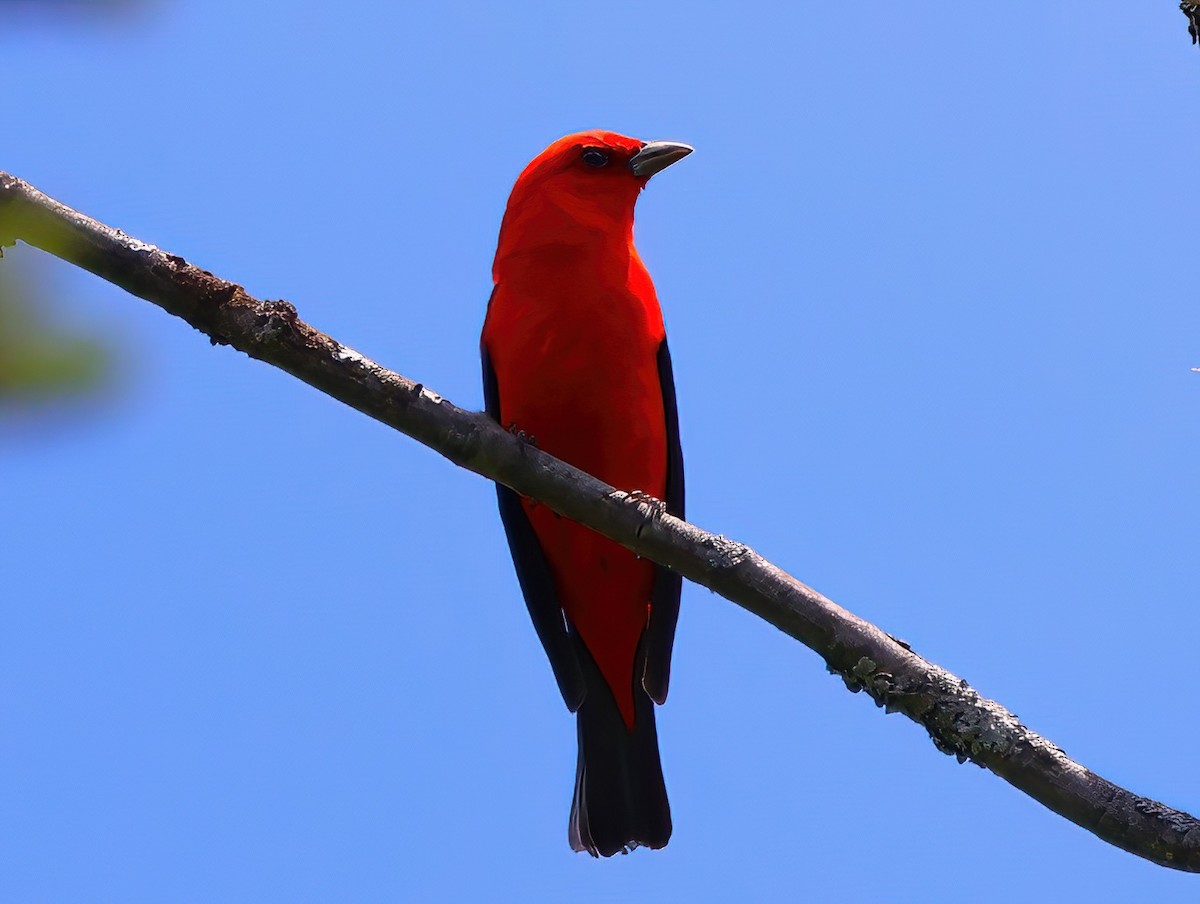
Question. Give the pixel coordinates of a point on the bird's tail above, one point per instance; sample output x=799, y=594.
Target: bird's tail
x=620, y=798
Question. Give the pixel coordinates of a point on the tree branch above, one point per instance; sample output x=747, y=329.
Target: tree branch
x=959, y=721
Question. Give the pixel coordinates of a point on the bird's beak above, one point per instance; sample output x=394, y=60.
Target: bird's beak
x=656, y=156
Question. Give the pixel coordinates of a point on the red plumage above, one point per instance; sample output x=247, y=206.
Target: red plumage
x=574, y=355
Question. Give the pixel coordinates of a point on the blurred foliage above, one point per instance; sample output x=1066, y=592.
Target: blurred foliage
x=68, y=14
x=41, y=363
x=55, y=6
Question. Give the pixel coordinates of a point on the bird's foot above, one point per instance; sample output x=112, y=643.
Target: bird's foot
x=528, y=439
x=522, y=435
x=651, y=506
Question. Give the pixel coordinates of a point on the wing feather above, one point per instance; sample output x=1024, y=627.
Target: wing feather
x=537, y=583
x=664, y=602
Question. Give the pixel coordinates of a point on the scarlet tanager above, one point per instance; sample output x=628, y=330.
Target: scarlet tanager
x=575, y=357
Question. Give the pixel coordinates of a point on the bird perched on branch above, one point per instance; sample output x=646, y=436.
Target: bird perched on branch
x=575, y=359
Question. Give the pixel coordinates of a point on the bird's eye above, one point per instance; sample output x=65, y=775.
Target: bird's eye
x=594, y=157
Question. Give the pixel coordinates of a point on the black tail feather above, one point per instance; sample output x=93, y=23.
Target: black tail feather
x=620, y=799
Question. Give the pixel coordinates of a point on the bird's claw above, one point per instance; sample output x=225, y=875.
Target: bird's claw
x=522, y=435
x=655, y=507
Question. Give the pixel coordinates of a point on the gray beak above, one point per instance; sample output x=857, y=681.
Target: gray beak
x=656, y=156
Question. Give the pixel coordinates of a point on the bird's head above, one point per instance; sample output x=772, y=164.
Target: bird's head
x=583, y=186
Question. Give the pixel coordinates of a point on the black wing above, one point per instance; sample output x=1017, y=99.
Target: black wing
x=664, y=604
x=537, y=584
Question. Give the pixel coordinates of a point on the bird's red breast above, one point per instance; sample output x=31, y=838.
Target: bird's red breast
x=572, y=331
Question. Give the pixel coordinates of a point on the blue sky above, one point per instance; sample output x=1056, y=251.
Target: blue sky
x=931, y=296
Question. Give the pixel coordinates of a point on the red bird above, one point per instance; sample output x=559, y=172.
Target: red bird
x=575, y=357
